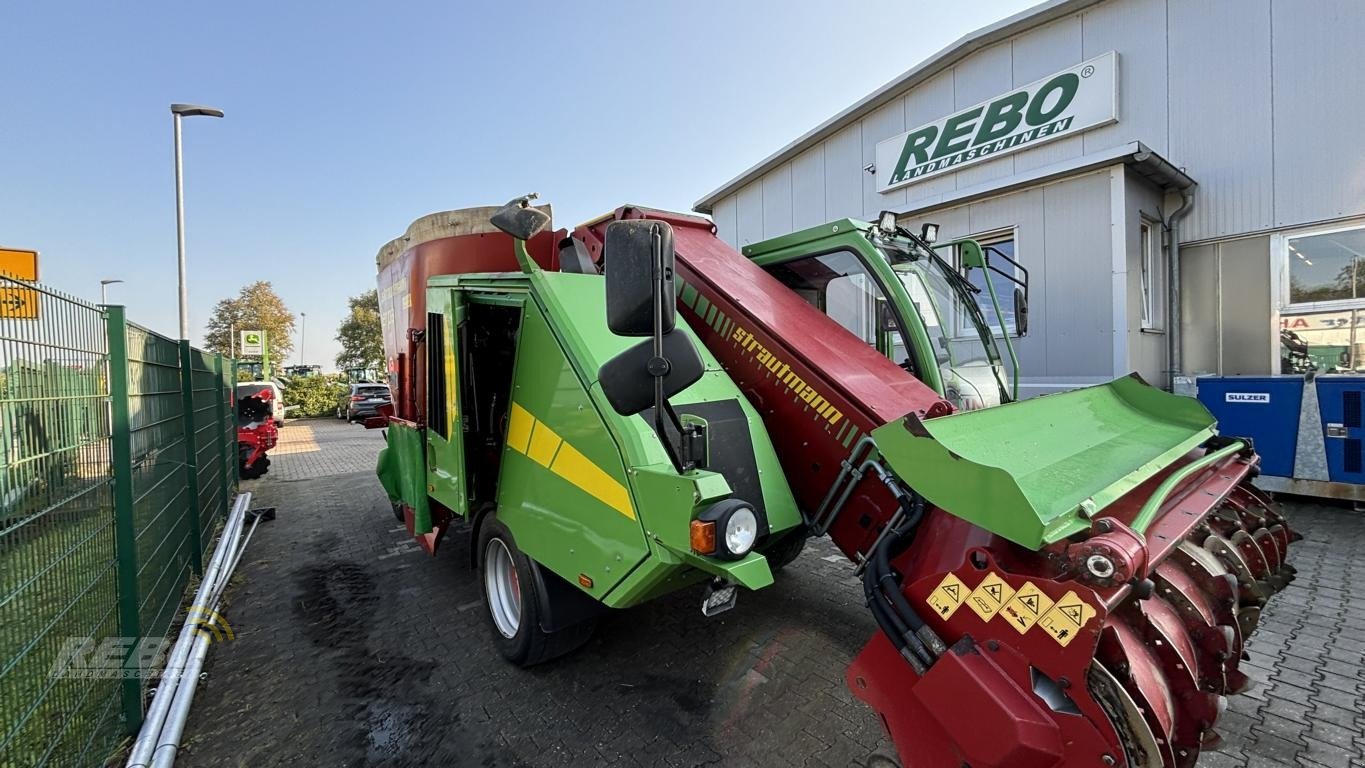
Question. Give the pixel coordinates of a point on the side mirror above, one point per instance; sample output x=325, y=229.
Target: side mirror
x=628, y=381
x=637, y=261
x=1020, y=313
x=630, y=255
x=520, y=219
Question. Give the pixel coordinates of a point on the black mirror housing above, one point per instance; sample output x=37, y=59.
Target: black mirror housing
x=520, y=219
x=628, y=384
x=628, y=258
x=1020, y=313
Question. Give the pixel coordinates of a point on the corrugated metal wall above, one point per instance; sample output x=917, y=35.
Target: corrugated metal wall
x=1257, y=100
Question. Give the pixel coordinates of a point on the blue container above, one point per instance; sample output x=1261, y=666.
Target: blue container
x=1263, y=408
x=1339, y=401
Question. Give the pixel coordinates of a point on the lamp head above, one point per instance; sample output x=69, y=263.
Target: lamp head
x=194, y=110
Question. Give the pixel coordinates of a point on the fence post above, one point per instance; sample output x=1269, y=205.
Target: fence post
x=191, y=444
x=125, y=529
x=222, y=391
x=232, y=427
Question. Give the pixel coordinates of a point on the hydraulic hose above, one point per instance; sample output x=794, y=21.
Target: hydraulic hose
x=899, y=540
x=918, y=643
x=905, y=642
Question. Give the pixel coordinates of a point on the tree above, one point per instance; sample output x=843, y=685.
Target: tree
x=255, y=307
x=314, y=395
x=362, y=340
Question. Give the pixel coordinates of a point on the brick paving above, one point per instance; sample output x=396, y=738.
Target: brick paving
x=354, y=649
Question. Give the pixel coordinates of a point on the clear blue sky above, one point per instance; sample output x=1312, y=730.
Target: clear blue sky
x=347, y=120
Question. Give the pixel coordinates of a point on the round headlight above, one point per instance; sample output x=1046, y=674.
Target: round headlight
x=741, y=530
x=728, y=529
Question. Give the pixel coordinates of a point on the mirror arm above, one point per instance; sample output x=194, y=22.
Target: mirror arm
x=528, y=264
x=659, y=367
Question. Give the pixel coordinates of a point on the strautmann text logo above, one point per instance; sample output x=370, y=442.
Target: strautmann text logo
x=1061, y=104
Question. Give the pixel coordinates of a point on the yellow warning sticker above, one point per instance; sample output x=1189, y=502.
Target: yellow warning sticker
x=948, y=596
x=1065, y=620
x=1028, y=604
x=989, y=596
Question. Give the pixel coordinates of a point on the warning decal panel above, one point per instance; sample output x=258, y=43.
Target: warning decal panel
x=989, y=596
x=948, y=596
x=1028, y=605
x=1065, y=620
x=1023, y=608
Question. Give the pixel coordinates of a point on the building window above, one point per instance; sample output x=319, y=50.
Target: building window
x=1322, y=303
x=1003, y=243
x=1153, y=267
x=1329, y=266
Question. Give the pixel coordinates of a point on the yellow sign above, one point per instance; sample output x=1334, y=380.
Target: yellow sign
x=18, y=302
x=948, y=596
x=1028, y=604
x=1066, y=618
x=21, y=264
x=990, y=595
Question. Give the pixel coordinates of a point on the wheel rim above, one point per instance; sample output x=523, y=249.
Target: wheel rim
x=503, y=588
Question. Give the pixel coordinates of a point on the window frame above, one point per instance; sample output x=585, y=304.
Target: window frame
x=1153, y=264
x=962, y=325
x=883, y=291
x=1280, y=251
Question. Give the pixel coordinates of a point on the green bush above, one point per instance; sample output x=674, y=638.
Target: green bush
x=314, y=395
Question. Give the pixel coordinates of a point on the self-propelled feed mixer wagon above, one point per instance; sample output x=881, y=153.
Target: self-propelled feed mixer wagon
x=632, y=407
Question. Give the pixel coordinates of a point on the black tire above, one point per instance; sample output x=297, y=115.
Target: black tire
x=529, y=644
x=785, y=551
x=398, y=511
x=255, y=470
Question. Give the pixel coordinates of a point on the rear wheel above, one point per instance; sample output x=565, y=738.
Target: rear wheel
x=784, y=552
x=255, y=470
x=513, y=600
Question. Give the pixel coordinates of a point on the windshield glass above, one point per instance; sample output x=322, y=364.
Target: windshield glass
x=969, y=363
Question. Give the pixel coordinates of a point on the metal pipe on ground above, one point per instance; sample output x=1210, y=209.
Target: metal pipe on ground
x=210, y=588
x=168, y=741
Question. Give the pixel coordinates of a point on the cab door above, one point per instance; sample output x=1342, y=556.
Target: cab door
x=446, y=482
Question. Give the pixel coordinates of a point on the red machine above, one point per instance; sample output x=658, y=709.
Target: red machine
x=1106, y=648
x=256, y=432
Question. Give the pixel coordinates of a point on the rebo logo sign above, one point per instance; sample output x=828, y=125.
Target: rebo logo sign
x=1063, y=104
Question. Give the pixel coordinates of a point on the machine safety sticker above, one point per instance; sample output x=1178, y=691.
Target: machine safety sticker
x=989, y=596
x=1028, y=605
x=948, y=596
x=1065, y=620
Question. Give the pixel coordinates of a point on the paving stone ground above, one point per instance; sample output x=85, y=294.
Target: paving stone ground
x=355, y=649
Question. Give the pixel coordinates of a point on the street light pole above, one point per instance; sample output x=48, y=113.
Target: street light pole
x=104, y=289
x=303, y=334
x=177, y=112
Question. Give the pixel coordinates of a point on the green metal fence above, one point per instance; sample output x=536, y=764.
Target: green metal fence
x=117, y=459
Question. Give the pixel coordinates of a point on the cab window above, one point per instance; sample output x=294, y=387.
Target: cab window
x=840, y=286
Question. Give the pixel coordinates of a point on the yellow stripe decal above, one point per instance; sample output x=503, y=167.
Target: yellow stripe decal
x=453, y=385
x=519, y=428
x=544, y=443
x=577, y=469
x=531, y=437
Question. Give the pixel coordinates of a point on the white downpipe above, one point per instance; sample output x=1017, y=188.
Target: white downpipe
x=207, y=596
